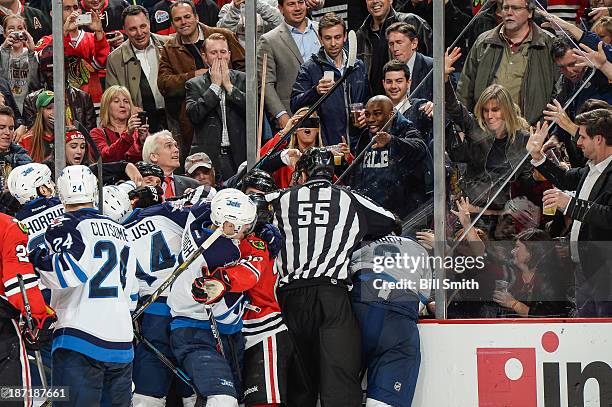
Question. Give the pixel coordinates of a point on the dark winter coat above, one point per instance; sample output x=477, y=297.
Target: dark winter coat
x=397, y=175
x=334, y=112
x=14, y=157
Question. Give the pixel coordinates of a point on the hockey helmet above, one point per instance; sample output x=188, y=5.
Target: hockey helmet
x=316, y=161
x=233, y=206
x=150, y=169
x=24, y=181
x=265, y=213
x=259, y=180
x=117, y=204
x=76, y=185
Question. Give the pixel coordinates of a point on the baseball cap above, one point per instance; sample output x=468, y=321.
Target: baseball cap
x=197, y=160
x=44, y=99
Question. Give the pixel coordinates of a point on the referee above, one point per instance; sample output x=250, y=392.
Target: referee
x=322, y=224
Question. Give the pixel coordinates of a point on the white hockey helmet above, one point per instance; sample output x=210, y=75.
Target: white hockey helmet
x=77, y=185
x=233, y=206
x=117, y=204
x=24, y=181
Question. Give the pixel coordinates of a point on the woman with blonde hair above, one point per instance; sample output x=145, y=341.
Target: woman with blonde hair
x=309, y=135
x=121, y=133
x=494, y=142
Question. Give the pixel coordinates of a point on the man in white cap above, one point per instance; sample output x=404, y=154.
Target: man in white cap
x=199, y=167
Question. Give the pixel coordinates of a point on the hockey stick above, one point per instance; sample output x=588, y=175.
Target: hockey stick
x=264, y=72
x=30, y=322
x=350, y=67
x=177, y=272
x=162, y=358
x=98, y=157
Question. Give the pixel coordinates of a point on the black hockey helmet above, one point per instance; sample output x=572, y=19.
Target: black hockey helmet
x=265, y=213
x=147, y=169
x=259, y=180
x=316, y=161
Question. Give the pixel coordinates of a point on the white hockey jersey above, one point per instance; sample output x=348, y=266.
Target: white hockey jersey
x=186, y=312
x=90, y=270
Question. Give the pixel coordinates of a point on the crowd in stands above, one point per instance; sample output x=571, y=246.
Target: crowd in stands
x=528, y=131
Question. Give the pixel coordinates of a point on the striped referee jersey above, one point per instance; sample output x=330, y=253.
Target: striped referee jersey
x=322, y=224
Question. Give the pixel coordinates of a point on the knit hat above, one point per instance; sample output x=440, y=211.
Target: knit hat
x=44, y=98
x=74, y=135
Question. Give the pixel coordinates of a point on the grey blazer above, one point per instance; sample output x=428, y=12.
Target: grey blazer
x=181, y=183
x=284, y=60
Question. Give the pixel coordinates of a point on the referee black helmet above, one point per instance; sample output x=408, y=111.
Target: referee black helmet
x=316, y=162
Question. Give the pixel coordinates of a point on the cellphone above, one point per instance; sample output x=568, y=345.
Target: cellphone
x=142, y=116
x=328, y=75
x=110, y=35
x=83, y=19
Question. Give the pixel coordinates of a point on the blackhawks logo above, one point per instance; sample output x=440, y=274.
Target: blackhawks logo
x=21, y=226
x=258, y=244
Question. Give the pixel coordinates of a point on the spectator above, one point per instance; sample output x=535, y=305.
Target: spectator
x=516, y=55
x=403, y=43
x=18, y=63
x=569, y=10
x=160, y=148
x=287, y=47
x=396, y=82
x=216, y=106
x=135, y=65
x=538, y=289
x=489, y=16
x=7, y=99
x=311, y=83
x=454, y=18
x=590, y=208
x=181, y=60
x=38, y=23
x=603, y=28
x=12, y=154
x=40, y=138
x=121, y=134
x=396, y=172
x=199, y=166
x=110, y=12
x=372, y=45
x=573, y=74
x=82, y=50
x=232, y=17
x=79, y=105
x=161, y=15
x=495, y=136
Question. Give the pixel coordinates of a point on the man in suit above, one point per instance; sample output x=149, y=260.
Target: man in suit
x=590, y=208
x=403, y=43
x=216, y=106
x=160, y=148
x=134, y=64
x=287, y=47
x=181, y=59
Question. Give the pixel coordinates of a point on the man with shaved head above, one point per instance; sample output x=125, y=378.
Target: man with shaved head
x=397, y=168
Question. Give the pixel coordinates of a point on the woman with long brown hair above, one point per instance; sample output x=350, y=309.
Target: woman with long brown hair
x=39, y=139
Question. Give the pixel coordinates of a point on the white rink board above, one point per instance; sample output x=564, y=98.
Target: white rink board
x=450, y=368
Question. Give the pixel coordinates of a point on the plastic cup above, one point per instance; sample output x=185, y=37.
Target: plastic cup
x=356, y=110
x=549, y=211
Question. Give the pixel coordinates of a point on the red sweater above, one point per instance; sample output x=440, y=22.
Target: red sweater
x=116, y=147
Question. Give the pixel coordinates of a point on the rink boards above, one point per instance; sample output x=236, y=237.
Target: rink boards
x=515, y=363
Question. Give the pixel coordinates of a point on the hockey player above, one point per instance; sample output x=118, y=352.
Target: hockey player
x=267, y=347
x=152, y=174
x=87, y=264
x=14, y=261
x=321, y=225
x=156, y=234
x=32, y=186
x=389, y=334
x=192, y=339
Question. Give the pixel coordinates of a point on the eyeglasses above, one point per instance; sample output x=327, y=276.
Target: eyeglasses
x=513, y=8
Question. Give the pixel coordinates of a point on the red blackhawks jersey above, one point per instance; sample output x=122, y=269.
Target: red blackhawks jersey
x=14, y=261
x=255, y=275
x=85, y=61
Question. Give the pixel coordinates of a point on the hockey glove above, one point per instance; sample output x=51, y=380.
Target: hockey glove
x=210, y=289
x=8, y=204
x=43, y=331
x=146, y=196
x=36, y=256
x=271, y=235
